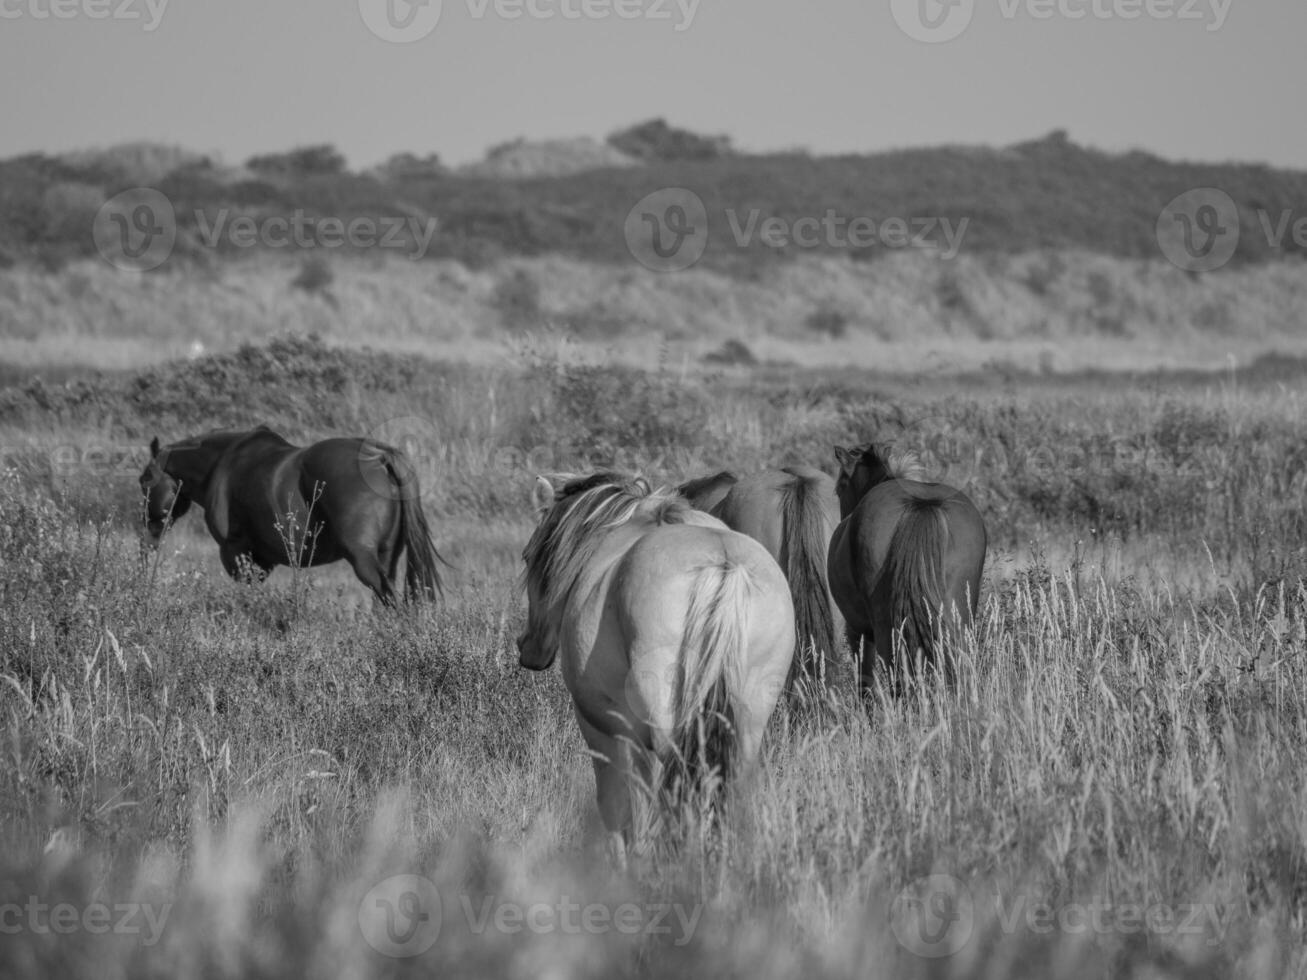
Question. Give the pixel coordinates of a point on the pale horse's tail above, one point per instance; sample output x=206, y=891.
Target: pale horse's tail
x=703, y=738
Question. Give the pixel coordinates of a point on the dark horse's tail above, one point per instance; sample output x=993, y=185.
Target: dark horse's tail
x=804, y=541
x=421, y=574
x=916, y=576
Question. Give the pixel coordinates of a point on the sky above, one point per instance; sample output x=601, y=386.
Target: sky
x=1209, y=80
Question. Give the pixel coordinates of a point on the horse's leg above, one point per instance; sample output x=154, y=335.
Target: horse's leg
x=863, y=648
x=389, y=558
x=614, y=798
x=612, y=763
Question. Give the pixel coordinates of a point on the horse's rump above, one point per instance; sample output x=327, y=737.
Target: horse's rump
x=421, y=570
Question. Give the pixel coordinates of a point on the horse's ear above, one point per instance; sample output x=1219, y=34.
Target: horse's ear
x=847, y=459
x=542, y=493
x=154, y=447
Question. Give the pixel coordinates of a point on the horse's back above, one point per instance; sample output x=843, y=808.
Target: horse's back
x=338, y=466
x=646, y=590
x=669, y=551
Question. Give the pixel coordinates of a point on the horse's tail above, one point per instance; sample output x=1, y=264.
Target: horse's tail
x=421, y=572
x=805, y=539
x=711, y=678
x=916, y=576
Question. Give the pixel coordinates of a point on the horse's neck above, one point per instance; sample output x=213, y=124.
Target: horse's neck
x=605, y=555
x=193, y=465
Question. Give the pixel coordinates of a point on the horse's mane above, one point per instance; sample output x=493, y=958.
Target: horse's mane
x=899, y=463
x=568, y=534
x=227, y=436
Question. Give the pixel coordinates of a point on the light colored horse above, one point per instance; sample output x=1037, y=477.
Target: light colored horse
x=675, y=636
x=908, y=556
x=792, y=512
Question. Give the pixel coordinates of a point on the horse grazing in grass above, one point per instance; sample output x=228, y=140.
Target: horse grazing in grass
x=675, y=635
x=908, y=555
x=791, y=512
x=268, y=503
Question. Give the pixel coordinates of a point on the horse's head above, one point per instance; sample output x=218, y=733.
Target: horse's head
x=872, y=463
x=164, y=498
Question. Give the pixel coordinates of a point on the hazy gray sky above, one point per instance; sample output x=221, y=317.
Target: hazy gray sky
x=1198, y=79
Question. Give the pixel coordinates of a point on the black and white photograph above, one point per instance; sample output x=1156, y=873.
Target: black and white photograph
x=653, y=489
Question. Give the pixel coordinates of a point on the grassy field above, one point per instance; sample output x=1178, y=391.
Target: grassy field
x=1115, y=786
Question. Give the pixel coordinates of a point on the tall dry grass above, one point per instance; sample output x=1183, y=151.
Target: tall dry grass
x=1124, y=736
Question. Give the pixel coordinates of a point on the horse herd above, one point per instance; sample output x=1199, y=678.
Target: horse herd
x=679, y=616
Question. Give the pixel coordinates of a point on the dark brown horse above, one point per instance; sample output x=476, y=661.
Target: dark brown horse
x=791, y=512
x=268, y=503
x=908, y=555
